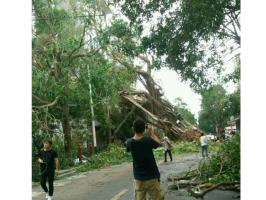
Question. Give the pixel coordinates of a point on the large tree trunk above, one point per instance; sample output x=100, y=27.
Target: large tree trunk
x=218, y=131
x=109, y=136
x=66, y=131
x=109, y=128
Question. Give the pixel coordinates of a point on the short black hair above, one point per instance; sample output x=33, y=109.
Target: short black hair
x=139, y=126
x=48, y=140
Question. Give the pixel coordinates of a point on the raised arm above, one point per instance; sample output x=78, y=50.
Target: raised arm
x=153, y=136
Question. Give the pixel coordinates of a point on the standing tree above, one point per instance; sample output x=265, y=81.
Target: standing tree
x=234, y=103
x=57, y=56
x=214, y=113
x=66, y=40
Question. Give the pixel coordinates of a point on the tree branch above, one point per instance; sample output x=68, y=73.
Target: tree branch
x=47, y=104
x=91, y=53
x=145, y=59
x=81, y=43
x=201, y=194
x=125, y=119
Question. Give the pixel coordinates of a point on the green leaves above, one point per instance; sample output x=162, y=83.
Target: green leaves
x=215, y=109
x=123, y=38
x=112, y=155
x=225, y=164
x=62, y=52
x=182, y=109
x=185, y=34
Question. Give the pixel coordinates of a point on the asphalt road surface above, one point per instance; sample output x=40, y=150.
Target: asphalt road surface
x=115, y=183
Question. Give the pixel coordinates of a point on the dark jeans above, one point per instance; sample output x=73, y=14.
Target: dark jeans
x=50, y=176
x=204, y=150
x=165, y=155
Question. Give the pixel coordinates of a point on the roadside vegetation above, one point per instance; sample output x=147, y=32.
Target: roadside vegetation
x=114, y=154
x=220, y=171
x=224, y=165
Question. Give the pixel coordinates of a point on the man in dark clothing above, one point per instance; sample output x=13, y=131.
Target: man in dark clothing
x=145, y=170
x=49, y=166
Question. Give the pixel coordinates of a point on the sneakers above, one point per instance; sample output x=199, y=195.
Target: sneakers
x=49, y=198
x=46, y=195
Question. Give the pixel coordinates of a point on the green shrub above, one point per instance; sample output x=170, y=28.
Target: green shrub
x=112, y=155
x=224, y=165
x=185, y=147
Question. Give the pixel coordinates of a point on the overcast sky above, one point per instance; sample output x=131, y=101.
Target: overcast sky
x=173, y=87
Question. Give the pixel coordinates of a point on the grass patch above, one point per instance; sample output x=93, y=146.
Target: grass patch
x=178, y=148
x=112, y=155
x=185, y=147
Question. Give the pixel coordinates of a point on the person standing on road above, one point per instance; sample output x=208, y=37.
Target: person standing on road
x=145, y=170
x=204, y=145
x=49, y=166
x=167, y=149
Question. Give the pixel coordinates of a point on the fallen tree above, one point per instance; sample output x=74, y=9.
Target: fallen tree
x=221, y=171
x=161, y=112
x=197, y=187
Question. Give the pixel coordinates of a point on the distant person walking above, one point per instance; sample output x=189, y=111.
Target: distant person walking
x=167, y=149
x=145, y=170
x=204, y=145
x=49, y=166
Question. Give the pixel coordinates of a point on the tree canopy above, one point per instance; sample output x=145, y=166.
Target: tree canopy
x=65, y=61
x=217, y=107
x=183, y=110
x=188, y=36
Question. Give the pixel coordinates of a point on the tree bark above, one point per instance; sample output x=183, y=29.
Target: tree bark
x=109, y=136
x=109, y=128
x=66, y=131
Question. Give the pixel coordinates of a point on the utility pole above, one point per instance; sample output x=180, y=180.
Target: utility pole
x=92, y=113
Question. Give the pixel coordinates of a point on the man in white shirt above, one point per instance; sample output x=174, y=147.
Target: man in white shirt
x=204, y=145
x=167, y=149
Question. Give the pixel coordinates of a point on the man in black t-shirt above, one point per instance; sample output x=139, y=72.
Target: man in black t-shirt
x=145, y=170
x=49, y=166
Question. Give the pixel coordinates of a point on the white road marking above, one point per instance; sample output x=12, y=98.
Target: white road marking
x=120, y=194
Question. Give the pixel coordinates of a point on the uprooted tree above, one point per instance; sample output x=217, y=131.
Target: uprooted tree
x=158, y=111
x=123, y=50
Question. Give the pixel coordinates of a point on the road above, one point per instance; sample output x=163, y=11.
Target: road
x=115, y=183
